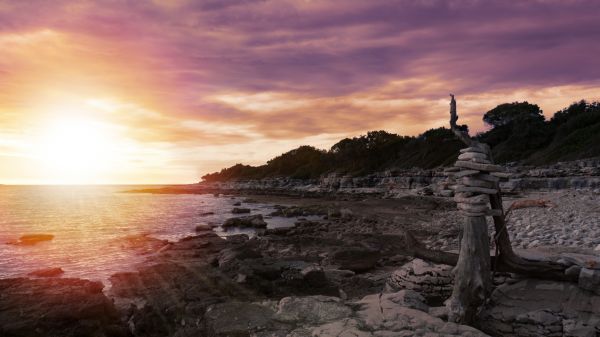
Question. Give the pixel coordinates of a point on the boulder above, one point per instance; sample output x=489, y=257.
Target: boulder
x=432, y=281
x=589, y=279
x=48, y=272
x=254, y=221
x=233, y=319
x=311, y=309
x=203, y=228
x=404, y=314
x=355, y=259
x=541, y=308
x=32, y=239
x=57, y=307
x=239, y=210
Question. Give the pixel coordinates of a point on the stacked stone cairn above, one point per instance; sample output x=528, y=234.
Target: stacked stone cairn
x=475, y=177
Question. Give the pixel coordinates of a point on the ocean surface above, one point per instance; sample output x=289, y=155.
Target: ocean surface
x=90, y=222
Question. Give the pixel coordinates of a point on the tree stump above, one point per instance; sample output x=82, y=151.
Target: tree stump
x=472, y=282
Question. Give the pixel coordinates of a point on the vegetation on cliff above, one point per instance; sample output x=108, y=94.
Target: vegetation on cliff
x=518, y=133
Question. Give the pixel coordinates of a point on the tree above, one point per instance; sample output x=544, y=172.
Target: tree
x=507, y=113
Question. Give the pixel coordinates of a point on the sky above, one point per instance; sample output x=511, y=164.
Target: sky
x=166, y=91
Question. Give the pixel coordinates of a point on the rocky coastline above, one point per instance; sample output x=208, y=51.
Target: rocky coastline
x=579, y=174
x=349, y=273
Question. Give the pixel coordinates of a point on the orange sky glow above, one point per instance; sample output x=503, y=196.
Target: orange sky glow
x=102, y=92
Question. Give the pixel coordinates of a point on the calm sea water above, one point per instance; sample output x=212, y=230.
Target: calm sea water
x=89, y=223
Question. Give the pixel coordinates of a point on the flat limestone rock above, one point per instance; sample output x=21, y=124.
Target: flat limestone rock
x=471, y=181
x=478, y=199
x=451, y=169
x=480, y=161
x=501, y=174
x=476, y=190
x=489, y=212
x=477, y=208
x=478, y=166
x=541, y=308
x=487, y=177
x=472, y=149
x=472, y=155
x=465, y=173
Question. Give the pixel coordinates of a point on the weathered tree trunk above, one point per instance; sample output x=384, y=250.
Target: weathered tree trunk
x=508, y=261
x=472, y=281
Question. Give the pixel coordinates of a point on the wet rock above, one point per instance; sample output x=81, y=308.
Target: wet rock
x=57, y=307
x=432, y=281
x=355, y=259
x=32, y=239
x=239, y=210
x=48, y=272
x=297, y=211
x=142, y=243
x=254, y=221
x=203, y=228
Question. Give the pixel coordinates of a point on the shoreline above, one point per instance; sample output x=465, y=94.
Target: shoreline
x=355, y=252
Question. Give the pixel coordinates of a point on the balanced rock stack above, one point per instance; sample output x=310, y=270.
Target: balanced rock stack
x=476, y=178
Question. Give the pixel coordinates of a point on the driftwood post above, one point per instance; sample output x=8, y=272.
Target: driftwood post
x=474, y=173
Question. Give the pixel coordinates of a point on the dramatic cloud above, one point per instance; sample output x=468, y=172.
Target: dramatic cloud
x=202, y=83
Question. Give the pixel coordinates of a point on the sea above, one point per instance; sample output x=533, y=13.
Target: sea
x=90, y=222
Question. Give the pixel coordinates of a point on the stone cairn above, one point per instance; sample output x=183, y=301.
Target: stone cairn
x=475, y=177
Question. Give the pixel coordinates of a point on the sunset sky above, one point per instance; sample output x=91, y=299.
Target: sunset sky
x=166, y=91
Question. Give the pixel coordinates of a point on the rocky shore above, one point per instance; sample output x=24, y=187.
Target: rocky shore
x=580, y=174
x=349, y=273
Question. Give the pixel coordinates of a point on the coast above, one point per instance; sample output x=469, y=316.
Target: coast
x=344, y=269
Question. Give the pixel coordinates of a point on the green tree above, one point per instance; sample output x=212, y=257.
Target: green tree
x=507, y=113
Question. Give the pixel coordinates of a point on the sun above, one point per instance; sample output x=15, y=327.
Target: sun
x=76, y=150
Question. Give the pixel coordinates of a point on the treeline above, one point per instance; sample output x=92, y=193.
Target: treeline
x=519, y=133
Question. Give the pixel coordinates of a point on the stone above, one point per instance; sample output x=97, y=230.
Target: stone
x=473, y=208
x=57, y=307
x=531, y=307
x=255, y=221
x=434, y=282
x=32, y=239
x=472, y=149
x=311, y=309
x=403, y=314
x=501, y=174
x=481, y=161
x=478, y=199
x=48, y=272
x=203, y=228
x=478, y=166
x=589, y=279
x=347, y=327
x=472, y=155
x=237, y=319
x=476, y=190
x=239, y=210
x=465, y=173
x=471, y=181
x=355, y=259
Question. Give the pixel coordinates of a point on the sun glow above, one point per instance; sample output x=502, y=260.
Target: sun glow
x=77, y=150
